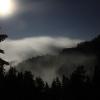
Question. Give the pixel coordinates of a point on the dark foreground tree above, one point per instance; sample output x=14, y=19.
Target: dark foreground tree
x=2, y=62
x=16, y=85
x=2, y=70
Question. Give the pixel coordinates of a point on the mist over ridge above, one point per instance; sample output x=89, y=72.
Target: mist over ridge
x=22, y=49
x=50, y=57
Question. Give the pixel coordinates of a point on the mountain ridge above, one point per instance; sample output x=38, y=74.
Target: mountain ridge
x=65, y=62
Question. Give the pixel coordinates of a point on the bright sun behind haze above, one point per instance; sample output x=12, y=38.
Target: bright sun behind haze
x=6, y=8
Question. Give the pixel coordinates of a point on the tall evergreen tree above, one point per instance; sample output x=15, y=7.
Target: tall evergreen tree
x=3, y=62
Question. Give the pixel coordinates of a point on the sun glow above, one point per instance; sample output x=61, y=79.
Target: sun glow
x=6, y=7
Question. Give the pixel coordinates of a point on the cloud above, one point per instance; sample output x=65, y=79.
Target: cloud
x=22, y=49
x=51, y=66
x=47, y=66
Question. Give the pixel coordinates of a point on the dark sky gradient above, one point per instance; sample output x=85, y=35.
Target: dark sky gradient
x=70, y=18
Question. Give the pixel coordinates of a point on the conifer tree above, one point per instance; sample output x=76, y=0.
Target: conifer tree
x=2, y=62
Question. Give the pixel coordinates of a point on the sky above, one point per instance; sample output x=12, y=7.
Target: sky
x=55, y=18
x=42, y=27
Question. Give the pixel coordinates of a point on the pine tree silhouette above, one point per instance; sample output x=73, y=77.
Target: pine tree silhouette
x=2, y=63
x=15, y=85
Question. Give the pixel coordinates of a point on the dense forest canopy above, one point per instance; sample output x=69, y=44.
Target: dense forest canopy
x=24, y=86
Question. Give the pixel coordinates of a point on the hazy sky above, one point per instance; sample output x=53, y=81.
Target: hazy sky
x=47, y=26
x=70, y=18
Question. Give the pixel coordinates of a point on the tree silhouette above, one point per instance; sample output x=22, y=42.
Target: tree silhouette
x=28, y=80
x=39, y=83
x=56, y=89
x=2, y=63
x=23, y=85
x=78, y=83
x=78, y=75
x=65, y=81
x=56, y=83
